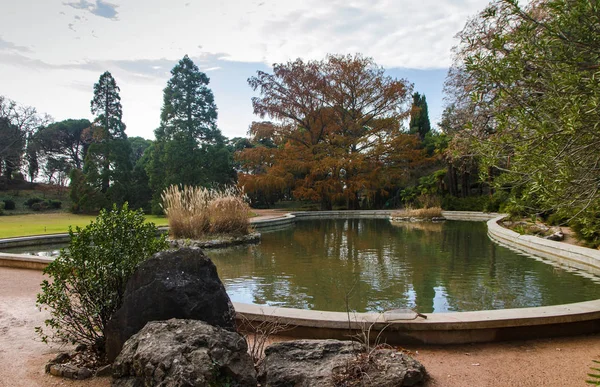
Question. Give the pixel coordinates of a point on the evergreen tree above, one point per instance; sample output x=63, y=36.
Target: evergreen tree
x=188, y=143
x=419, y=116
x=188, y=104
x=106, y=106
x=107, y=166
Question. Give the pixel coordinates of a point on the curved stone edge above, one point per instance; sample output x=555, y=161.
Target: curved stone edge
x=436, y=328
x=578, y=257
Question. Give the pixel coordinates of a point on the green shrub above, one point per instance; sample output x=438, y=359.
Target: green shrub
x=1, y=208
x=497, y=202
x=55, y=204
x=37, y=206
x=9, y=204
x=33, y=200
x=587, y=226
x=470, y=203
x=87, y=280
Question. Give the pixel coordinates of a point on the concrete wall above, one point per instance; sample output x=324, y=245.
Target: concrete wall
x=565, y=254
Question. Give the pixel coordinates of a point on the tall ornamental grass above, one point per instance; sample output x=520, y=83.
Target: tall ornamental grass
x=194, y=212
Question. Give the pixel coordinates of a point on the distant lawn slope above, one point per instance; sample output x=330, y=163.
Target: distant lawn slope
x=51, y=223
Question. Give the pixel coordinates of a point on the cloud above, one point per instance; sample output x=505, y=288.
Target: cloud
x=98, y=8
x=9, y=46
x=398, y=33
x=141, y=70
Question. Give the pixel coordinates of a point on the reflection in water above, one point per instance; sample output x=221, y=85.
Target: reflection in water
x=372, y=265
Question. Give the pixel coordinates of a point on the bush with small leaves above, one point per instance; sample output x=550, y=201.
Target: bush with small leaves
x=9, y=204
x=33, y=200
x=87, y=280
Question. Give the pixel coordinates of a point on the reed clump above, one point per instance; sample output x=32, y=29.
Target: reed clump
x=194, y=212
x=427, y=213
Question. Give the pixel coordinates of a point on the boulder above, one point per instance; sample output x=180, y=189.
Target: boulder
x=184, y=353
x=305, y=363
x=180, y=284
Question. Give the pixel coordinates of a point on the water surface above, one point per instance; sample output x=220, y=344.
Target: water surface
x=373, y=265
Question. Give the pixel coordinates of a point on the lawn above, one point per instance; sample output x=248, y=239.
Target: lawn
x=51, y=223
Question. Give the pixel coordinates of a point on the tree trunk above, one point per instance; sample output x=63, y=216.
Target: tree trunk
x=326, y=204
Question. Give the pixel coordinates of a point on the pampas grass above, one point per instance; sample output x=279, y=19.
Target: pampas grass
x=433, y=212
x=193, y=212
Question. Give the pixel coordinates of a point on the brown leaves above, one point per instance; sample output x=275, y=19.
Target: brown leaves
x=337, y=129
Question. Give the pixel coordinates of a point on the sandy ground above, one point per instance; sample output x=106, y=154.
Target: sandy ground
x=548, y=362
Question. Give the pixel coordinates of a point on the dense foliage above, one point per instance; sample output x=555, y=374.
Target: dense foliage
x=525, y=96
x=87, y=281
x=189, y=148
x=336, y=134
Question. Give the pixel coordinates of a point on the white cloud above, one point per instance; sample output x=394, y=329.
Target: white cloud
x=40, y=54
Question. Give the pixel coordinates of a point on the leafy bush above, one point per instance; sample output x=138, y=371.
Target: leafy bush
x=38, y=206
x=470, y=203
x=195, y=211
x=1, y=208
x=9, y=204
x=33, y=200
x=587, y=226
x=55, y=204
x=87, y=279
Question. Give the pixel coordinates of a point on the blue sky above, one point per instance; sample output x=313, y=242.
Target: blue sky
x=53, y=51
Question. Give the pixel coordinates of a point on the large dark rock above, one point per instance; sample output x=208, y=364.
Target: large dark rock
x=172, y=284
x=305, y=363
x=184, y=353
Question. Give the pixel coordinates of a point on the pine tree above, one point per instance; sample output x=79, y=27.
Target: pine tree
x=188, y=140
x=188, y=104
x=107, y=165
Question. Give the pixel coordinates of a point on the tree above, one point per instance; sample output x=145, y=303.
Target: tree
x=189, y=148
x=337, y=131
x=17, y=123
x=188, y=104
x=88, y=279
x=65, y=138
x=107, y=164
x=536, y=70
x=106, y=106
x=419, y=117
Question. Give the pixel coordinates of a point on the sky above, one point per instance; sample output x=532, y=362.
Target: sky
x=53, y=51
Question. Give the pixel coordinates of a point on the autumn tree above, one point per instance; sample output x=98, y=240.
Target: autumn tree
x=335, y=130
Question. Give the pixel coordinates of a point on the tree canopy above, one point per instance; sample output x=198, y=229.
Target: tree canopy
x=525, y=91
x=335, y=135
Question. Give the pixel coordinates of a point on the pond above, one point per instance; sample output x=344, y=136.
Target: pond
x=372, y=265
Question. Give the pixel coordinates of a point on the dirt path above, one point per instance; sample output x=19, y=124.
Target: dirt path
x=22, y=355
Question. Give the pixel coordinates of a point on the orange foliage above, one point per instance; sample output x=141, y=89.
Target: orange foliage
x=337, y=134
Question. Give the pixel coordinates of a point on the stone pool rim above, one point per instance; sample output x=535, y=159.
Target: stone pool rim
x=406, y=327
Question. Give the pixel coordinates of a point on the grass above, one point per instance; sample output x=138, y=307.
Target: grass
x=193, y=212
x=42, y=191
x=431, y=212
x=51, y=223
